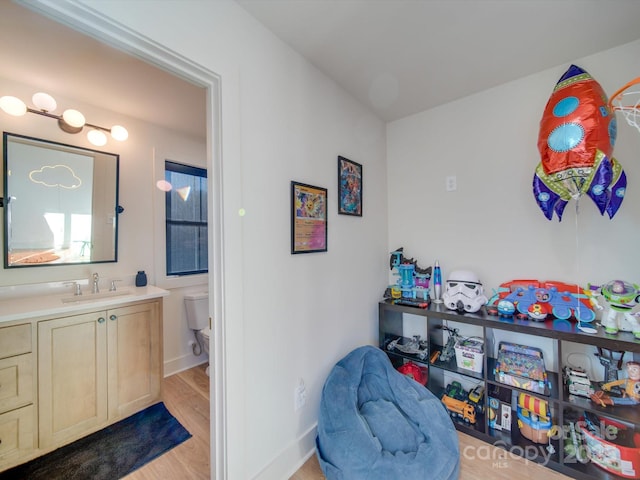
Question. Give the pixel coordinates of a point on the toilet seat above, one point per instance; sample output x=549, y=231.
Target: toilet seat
x=205, y=332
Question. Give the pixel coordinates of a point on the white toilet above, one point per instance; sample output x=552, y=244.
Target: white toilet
x=197, y=305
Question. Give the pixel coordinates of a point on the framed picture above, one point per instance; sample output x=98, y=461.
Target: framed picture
x=308, y=218
x=349, y=187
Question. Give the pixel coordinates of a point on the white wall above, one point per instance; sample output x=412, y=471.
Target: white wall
x=141, y=225
x=286, y=317
x=492, y=224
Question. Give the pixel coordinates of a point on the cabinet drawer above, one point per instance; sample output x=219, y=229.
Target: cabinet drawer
x=16, y=382
x=16, y=434
x=15, y=340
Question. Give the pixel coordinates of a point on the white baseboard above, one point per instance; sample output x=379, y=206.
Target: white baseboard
x=292, y=458
x=179, y=364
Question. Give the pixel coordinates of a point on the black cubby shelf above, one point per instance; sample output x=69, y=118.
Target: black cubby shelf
x=556, y=454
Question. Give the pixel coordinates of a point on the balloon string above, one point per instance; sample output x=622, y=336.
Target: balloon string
x=577, y=241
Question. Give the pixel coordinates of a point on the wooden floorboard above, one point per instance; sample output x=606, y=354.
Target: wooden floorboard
x=478, y=460
x=186, y=396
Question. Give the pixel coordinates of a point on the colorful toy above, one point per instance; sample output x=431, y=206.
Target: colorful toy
x=455, y=390
x=464, y=292
x=459, y=409
x=534, y=420
x=523, y=367
x=577, y=381
x=577, y=133
x=413, y=282
x=620, y=298
x=630, y=393
x=462, y=404
x=611, y=445
x=539, y=299
x=437, y=283
x=477, y=394
x=413, y=370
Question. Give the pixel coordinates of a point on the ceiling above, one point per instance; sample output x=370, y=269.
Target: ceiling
x=401, y=57
x=398, y=57
x=56, y=59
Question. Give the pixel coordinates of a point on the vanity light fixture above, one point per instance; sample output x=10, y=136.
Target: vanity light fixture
x=71, y=121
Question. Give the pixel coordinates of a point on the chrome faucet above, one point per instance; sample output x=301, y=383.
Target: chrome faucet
x=76, y=288
x=95, y=288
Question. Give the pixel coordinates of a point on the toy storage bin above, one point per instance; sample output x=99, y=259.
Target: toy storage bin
x=621, y=458
x=470, y=354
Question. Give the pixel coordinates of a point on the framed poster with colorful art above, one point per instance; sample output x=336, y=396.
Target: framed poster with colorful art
x=308, y=218
x=349, y=187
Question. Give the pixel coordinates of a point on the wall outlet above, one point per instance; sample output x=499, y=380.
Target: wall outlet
x=451, y=183
x=299, y=396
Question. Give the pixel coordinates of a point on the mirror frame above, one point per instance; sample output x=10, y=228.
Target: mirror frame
x=5, y=191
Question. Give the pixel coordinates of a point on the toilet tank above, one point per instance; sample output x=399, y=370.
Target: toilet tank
x=197, y=305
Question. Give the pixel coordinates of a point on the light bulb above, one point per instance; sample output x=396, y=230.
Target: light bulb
x=44, y=102
x=13, y=106
x=97, y=137
x=74, y=118
x=119, y=133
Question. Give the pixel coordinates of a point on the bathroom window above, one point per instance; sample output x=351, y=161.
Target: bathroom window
x=186, y=223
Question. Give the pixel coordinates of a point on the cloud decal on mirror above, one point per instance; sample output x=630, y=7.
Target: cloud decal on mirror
x=56, y=176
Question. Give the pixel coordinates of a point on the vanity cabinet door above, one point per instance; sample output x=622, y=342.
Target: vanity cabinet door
x=135, y=357
x=72, y=377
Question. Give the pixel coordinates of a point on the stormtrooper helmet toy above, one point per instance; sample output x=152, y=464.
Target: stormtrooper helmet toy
x=464, y=292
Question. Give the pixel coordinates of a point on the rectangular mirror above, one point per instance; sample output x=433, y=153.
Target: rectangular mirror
x=60, y=203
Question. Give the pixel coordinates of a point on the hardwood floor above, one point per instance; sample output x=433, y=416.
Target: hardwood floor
x=186, y=395
x=478, y=460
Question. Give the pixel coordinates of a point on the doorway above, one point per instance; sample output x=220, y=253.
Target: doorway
x=83, y=19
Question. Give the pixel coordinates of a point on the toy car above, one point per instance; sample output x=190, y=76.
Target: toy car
x=455, y=390
x=476, y=394
x=415, y=346
x=578, y=382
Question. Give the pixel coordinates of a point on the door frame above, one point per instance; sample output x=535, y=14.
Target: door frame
x=84, y=19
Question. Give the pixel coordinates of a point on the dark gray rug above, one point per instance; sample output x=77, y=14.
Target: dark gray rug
x=110, y=453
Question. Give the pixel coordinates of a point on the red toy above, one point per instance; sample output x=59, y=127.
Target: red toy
x=413, y=370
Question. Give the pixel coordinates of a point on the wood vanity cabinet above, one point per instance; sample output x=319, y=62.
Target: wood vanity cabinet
x=96, y=368
x=17, y=387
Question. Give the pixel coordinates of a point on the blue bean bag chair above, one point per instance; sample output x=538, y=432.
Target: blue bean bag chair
x=377, y=424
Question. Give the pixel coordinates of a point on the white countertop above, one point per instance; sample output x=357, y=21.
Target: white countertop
x=27, y=307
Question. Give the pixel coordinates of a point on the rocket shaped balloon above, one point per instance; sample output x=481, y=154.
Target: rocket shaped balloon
x=576, y=139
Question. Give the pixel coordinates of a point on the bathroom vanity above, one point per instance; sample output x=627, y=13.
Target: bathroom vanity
x=71, y=366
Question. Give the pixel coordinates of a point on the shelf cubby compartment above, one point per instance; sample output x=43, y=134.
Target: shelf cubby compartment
x=557, y=339
x=595, y=449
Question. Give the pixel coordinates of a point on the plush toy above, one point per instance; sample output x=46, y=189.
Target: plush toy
x=620, y=298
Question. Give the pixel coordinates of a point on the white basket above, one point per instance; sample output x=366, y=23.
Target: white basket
x=470, y=354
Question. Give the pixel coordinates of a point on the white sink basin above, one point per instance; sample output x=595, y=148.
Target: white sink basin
x=93, y=297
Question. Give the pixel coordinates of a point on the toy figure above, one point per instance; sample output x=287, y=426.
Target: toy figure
x=631, y=388
x=621, y=297
x=413, y=282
